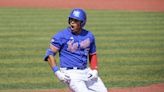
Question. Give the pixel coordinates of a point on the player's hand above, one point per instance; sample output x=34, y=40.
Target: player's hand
x=92, y=75
x=62, y=77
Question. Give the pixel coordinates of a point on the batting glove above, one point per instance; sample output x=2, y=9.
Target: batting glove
x=92, y=75
x=62, y=77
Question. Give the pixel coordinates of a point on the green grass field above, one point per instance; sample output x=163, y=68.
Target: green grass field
x=130, y=47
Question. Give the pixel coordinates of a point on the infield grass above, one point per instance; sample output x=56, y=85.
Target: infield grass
x=130, y=47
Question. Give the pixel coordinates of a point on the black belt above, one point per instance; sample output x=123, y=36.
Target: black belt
x=76, y=68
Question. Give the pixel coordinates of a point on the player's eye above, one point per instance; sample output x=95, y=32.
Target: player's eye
x=74, y=20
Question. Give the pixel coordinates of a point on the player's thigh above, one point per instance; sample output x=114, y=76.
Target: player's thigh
x=96, y=85
x=78, y=86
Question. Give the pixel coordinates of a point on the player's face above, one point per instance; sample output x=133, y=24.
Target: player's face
x=75, y=25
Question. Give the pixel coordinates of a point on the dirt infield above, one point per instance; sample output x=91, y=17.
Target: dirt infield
x=137, y=5
x=150, y=88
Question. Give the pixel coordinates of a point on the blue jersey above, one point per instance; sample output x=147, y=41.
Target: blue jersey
x=74, y=49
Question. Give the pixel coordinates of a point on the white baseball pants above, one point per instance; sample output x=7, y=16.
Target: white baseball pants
x=80, y=83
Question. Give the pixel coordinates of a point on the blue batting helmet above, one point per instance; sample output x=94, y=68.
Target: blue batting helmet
x=78, y=14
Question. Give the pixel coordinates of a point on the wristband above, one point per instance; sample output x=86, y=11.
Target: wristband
x=55, y=68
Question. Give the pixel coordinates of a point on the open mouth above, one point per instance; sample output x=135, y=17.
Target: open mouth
x=72, y=26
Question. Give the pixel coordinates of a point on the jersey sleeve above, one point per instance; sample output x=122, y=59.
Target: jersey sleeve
x=92, y=46
x=57, y=41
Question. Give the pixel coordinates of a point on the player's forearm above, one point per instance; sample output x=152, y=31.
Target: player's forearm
x=52, y=61
x=50, y=57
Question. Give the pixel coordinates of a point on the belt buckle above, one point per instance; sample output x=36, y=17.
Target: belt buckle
x=75, y=68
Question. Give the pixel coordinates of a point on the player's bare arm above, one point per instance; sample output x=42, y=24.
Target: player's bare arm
x=51, y=58
x=52, y=61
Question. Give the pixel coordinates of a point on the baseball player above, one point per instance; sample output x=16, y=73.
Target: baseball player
x=75, y=44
